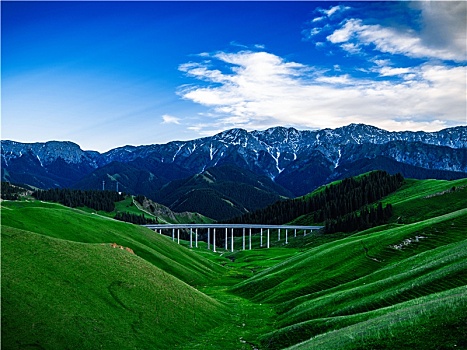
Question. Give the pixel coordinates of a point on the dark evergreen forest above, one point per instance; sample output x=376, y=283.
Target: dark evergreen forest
x=346, y=206
x=10, y=191
x=135, y=218
x=94, y=199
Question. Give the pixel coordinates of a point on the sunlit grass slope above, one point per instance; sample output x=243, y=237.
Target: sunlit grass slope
x=437, y=321
x=351, y=258
x=395, y=286
x=61, y=222
x=60, y=294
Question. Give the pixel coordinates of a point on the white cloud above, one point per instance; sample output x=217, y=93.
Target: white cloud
x=333, y=10
x=344, y=34
x=314, y=31
x=388, y=71
x=443, y=35
x=352, y=48
x=444, y=26
x=264, y=90
x=169, y=119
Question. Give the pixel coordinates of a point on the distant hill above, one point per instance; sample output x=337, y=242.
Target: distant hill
x=345, y=205
x=221, y=192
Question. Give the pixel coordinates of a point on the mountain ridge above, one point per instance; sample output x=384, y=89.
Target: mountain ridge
x=299, y=161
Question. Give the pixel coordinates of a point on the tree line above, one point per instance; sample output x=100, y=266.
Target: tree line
x=366, y=217
x=135, y=218
x=94, y=199
x=333, y=204
x=11, y=192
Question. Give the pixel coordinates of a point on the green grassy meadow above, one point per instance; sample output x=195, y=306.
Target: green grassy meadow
x=398, y=286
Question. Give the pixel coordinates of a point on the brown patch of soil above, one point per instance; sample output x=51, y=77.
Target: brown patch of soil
x=115, y=245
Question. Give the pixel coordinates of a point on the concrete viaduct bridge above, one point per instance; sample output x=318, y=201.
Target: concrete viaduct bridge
x=264, y=230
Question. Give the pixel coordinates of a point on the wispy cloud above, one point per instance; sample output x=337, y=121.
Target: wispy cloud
x=334, y=9
x=390, y=40
x=169, y=119
x=440, y=33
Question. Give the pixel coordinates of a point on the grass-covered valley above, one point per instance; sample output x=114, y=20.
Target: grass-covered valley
x=75, y=279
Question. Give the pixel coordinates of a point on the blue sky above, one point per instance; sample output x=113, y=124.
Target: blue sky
x=108, y=74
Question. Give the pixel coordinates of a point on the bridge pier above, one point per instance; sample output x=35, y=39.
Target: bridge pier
x=214, y=240
x=193, y=229
x=244, y=238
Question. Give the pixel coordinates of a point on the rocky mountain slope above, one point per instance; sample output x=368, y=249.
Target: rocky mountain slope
x=298, y=161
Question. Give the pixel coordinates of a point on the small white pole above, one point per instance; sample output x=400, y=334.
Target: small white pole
x=191, y=239
x=268, y=239
x=286, y=236
x=278, y=234
x=250, y=238
x=178, y=236
x=209, y=237
x=173, y=234
x=261, y=236
x=196, y=237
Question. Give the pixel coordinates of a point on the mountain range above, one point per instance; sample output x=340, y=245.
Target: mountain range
x=237, y=171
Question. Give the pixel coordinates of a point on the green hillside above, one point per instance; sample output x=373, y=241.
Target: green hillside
x=378, y=286
x=57, y=221
x=59, y=294
x=402, y=285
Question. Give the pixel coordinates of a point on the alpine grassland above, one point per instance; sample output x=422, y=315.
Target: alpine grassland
x=396, y=286
x=74, y=279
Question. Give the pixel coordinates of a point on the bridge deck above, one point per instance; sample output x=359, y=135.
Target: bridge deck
x=234, y=226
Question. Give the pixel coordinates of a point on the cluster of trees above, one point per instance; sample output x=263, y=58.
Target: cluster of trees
x=11, y=192
x=332, y=203
x=367, y=217
x=135, y=218
x=97, y=200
